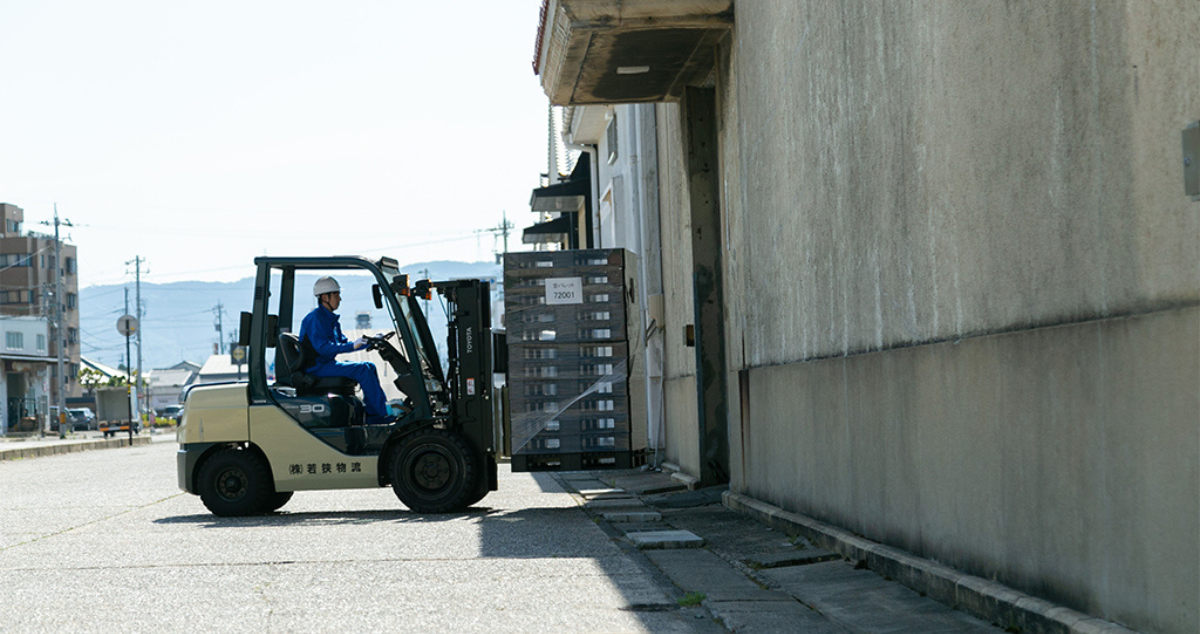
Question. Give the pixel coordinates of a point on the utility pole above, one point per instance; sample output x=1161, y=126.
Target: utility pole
x=219, y=310
x=59, y=332
x=137, y=262
x=128, y=364
x=502, y=230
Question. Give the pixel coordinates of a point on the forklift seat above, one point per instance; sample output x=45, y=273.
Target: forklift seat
x=290, y=367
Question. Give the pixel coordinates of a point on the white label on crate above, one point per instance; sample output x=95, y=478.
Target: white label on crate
x=564, y=290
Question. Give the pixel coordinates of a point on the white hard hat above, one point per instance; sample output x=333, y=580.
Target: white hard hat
x=326, y=285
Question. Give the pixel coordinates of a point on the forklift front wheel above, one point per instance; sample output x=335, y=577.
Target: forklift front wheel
x=277, y=501
x=433, y=471
x=235, y=482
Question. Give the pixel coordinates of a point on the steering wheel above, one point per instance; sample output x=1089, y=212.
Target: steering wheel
x=377, y=341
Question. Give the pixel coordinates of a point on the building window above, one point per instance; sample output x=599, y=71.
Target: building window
x=72, y=300
x=13, y=226
x=610, y=135
x=14, y=340
x=69, y=263
x=41, y=343
x=72, y=335
x=15, y=259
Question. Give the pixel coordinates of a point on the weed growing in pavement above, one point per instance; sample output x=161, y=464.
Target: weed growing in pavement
x=692, y=599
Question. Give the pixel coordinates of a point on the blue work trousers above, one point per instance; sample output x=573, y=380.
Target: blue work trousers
x=364, y=373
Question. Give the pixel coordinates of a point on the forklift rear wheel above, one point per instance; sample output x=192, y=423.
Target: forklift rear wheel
x=433, y=471
x=236, y=482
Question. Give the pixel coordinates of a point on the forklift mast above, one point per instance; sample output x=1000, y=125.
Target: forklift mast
x=471, y=365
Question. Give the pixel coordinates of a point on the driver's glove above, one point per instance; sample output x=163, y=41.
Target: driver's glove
x=361, y=342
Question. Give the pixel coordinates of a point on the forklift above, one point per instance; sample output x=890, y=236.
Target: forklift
x=246, y=447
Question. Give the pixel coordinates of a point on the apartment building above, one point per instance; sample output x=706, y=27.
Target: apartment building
x=27, y=284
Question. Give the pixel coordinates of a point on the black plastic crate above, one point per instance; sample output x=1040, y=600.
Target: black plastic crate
x=543, y=260
x=567, y=324
x=558, y=406
x=579, y=461
x=567, y=388
x=524, y=353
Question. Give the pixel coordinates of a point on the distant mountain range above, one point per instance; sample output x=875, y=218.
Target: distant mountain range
x=179, y=320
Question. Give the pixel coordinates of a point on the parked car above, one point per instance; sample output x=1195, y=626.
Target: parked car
x=83, y=419
x=173, y=412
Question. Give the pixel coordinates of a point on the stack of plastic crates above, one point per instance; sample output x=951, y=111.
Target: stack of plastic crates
x=575, y=387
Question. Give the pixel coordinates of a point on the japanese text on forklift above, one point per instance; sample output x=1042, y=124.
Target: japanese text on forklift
x=246, y=447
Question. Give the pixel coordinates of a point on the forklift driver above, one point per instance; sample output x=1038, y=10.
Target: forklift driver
x=321, y=330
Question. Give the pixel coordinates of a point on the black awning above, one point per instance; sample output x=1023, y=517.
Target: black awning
x=567, y=198
x=559, y=226
x=562, y=197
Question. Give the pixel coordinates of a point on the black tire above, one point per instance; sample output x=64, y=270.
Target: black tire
x=277, y=501
x=475, y=496
x=235, y=482
x=434, y=471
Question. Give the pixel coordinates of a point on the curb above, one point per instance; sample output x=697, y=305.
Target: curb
x=71, y=447
x=981, y=598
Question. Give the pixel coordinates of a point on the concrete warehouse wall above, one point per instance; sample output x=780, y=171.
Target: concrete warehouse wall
x=962, y=286
x=681, y=422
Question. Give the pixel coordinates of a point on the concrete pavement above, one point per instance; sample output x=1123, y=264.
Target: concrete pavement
x=759, y=568
x=753, y=567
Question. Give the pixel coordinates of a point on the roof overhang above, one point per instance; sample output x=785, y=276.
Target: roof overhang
x=556, y=230
x=8, y=356
x=627, y=51
x=561, y=197
x=585, y=124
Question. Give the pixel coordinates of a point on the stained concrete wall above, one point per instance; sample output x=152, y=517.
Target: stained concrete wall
x=963, y=285
x=1061, y=461
x=950, y=168
x=680, y=418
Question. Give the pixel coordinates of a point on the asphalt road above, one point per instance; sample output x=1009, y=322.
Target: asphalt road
x=104, y=541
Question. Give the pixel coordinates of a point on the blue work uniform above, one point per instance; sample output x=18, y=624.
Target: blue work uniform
x=322, y=329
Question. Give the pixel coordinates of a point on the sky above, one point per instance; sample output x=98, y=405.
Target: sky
x=198, y=135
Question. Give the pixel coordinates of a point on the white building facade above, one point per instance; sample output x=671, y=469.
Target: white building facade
x=24, y=392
